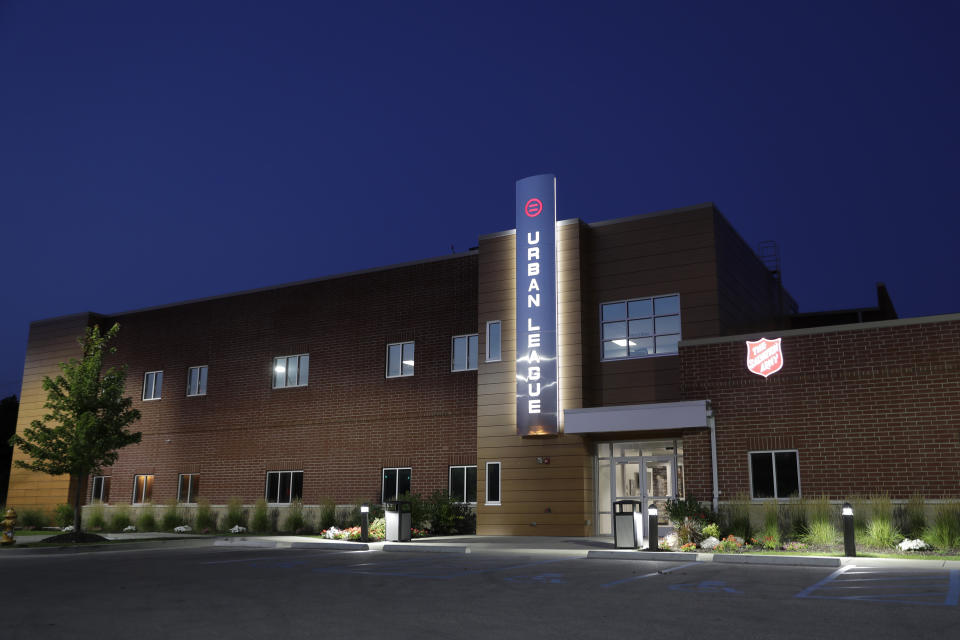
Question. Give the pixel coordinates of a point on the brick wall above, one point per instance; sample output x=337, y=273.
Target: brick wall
x=872, y=408
x=341, y=429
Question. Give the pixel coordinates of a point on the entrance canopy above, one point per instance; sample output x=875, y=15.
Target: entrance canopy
x=637, y=417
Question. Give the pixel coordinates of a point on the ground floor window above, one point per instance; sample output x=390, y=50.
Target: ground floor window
x=189, y=486
x=463, y=483
x=396, y=482
x=101, y=489
x=142, y=489
x=774, y=474
x=283, y=487
x=493, y=483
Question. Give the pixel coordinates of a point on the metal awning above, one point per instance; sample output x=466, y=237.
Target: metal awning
x=637, y=417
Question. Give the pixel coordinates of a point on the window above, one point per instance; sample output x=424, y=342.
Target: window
x=493, y=341
x=464, y=356
x=399, y=359
x=283, y=487
x=291, y=371
x=396, y=482
x=640, y=328
x=493, y=483
x=463, y=483
x=152, y=385
x=774, y=474
x=188, y=487
x=101, y=489
x=142, y=489
x=197, y=381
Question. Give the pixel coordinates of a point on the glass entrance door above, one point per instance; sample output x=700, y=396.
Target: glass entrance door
x=648, y=471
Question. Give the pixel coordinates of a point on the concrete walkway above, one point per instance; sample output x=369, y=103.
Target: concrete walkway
x=595, y=548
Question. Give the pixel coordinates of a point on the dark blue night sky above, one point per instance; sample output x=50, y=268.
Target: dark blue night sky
x=163, y=151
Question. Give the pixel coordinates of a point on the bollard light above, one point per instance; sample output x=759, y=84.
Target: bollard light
x=653, y=529
x=364, y=522
x=849, y=541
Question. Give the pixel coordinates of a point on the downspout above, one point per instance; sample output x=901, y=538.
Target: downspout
x=713, y=456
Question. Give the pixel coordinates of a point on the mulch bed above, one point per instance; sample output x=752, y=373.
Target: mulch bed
x=71, y=537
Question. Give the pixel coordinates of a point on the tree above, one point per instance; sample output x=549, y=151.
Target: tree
x=87, y=420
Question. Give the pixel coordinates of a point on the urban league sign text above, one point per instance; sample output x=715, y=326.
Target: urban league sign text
x=536, y=306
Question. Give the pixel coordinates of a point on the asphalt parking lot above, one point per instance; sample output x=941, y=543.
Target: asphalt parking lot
x=246, y=593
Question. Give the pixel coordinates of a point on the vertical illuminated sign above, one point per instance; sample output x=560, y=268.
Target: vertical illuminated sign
x=537, y=410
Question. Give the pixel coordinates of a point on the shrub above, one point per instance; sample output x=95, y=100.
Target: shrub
x=690, y=530
x=378, y=529
x=33, y=519
x=882, y=534
x=63, y=515
x=913, y=520
x=419, y=512
x=236, y=514
x=821, y=533
x=120, y=518
x=95, y=519
x=296, y=520
x=172, y=516
x=688, y=507
x=449, y=517
x=206, y=518
x=861, y=514
x=261, y=517
x=795, y=518
x=944, y=533
x=771, y=525
x=146, y=519
x=738, y=516
x=328, y=514
x=712, y=530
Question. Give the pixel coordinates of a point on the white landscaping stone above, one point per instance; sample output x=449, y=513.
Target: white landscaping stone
x=129, y=529
x=709, y=544
x=912, y=545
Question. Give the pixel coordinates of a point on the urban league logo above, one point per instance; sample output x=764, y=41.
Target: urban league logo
x=533, y=208
x=764, y=356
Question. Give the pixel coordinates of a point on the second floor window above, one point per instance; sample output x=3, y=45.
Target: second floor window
x=291, y=371
x=197, y=381
x=464, y=357
x=640, y=328
x=152, y=385
x=399, y=359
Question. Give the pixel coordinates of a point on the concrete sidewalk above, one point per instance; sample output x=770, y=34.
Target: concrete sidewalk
x=600, y=548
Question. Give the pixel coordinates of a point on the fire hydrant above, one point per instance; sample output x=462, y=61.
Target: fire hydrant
x=8, y=523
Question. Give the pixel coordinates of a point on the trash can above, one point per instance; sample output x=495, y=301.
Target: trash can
x=397, y=513
x=627, y=524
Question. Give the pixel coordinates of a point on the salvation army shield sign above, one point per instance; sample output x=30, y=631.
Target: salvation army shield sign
x=764, y=356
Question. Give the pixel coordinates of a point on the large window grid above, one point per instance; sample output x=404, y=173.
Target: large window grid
x=291, y=371
x=283, y=487
x=152, y=385
x=197, y=381
x=640, y=328
x=463, y=483
x=396, y=482
x=464, y=353
x=774, y=474
x=400, y=359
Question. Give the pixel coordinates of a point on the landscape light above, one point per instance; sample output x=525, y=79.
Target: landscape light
x=653, y=529
x=849, y=540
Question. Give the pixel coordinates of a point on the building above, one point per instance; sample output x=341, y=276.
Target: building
x=633, y=380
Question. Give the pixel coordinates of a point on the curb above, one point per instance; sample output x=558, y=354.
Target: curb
x=423, y=548
x=259, y=543
x=724, y=558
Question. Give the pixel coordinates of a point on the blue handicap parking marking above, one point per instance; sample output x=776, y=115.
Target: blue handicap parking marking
x=928, y=587
x=705, y=586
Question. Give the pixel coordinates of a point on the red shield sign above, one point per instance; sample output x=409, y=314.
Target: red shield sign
x=764, y=356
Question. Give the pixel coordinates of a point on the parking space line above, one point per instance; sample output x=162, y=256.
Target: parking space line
x=932, y=589
x=647, y=575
